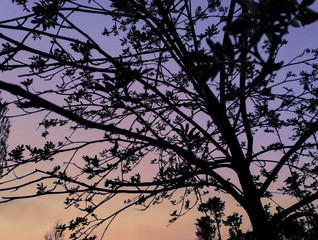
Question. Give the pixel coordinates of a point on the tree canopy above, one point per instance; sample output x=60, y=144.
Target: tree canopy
x=55, y=233
x=186, y=98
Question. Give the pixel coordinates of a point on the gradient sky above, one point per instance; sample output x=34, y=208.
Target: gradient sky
x=30, y=219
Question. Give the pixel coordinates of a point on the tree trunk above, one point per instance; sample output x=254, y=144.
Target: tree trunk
x=262, y=228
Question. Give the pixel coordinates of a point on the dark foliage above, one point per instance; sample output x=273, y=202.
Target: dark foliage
x=208, y=226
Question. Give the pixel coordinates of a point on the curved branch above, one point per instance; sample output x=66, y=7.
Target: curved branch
x=307, y=134
x=40, y=102
x=281, y=215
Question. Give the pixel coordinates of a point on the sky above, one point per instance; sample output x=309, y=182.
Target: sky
x=30, y=219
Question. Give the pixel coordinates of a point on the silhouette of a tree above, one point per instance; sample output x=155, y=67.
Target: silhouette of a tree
x=55, y=233
x=214, y=208
x=209, y=225
x=205, y=228
x=196, y=93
